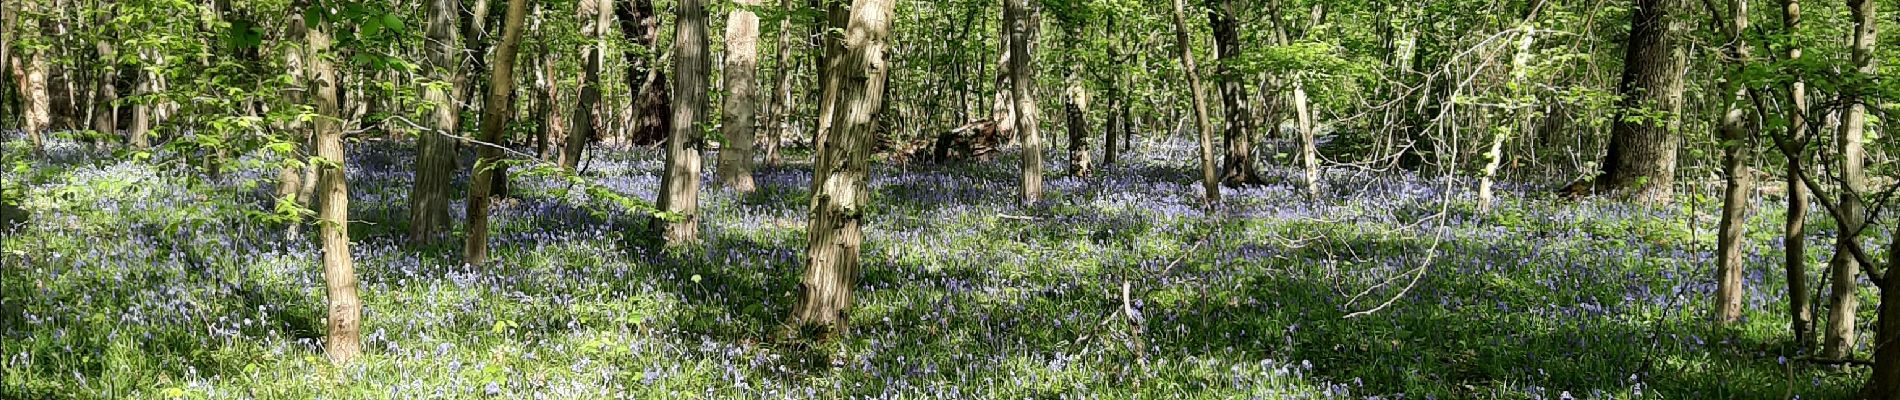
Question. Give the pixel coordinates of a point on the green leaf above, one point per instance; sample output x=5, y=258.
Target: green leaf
x=393, y=23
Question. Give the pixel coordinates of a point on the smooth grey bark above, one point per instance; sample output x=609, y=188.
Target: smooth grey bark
x=679, y=184
x=742, y=97
x=495, y=112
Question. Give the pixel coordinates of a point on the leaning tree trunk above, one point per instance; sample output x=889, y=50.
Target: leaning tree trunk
x=1210, y=182
x=742, y=97
x=679, y=185
x=1737, y=143
x=841, y=175
x=1237, y=167
x=436, y=155
x=1794, y=232
x=1641, y=161
x=343, y=342
x=1002, y=107
x=1845, y=296
x=495, y=112
x=1022, y=90
x=590, y=112
x=1520, y=70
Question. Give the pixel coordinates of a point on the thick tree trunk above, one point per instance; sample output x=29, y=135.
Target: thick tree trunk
x=1021, y=18
x=1641, y=161
x=495, y=112
x=779, y=114
x=343, y=341
x=1884, y=382
x=436, y=155
x=652, y=105
x=1738, y=144
x=554, y=119
x=1209, y=181
x=1238, y=167
x=841, y=175
x=105, y=115
x=679, y=185
x=1845, y=296
x=590, y=113
x=1076, y=104
x=742, y=97
x=33, y=82
x=1794, y=228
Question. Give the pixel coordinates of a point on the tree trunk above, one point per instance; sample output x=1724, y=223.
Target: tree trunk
x=679, y=185
x=1845, y=296
x=1738, y=144
x=1520, y=70
x=495, y=112
x=1022, y=90
x=640, y=25
x=835, y=16
x=1794, y=232
x=1210, y=183
x=343, y=342
x=1076, y=103
x=1002, y=107
x=1884, y=382
x=105, y=115
x=1238, y=168
x=778, y=116
x=436, y=155
x=590, y=112
x=554, y=120
x=1641, y=161
x=33, y=83
x=742, y=97
x=841, y=175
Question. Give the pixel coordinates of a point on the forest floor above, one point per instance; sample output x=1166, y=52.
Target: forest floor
x=146, y=279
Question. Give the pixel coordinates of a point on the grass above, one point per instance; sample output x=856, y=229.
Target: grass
x=146, y=279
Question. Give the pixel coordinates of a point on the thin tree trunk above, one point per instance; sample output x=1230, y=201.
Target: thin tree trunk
x=1794, y=232
x=496, y=109
x=1738, y=144
x=1641, y=161
x=778, y=116
x=590, y=112
x=1845, y=296
x=679, y=185
x=1209, y=181
x=344, y=342
x=742, y=97
x=841, y=175
x=1002, y=105
x=1022, y=82
x=436, y=155
x=1520, y=65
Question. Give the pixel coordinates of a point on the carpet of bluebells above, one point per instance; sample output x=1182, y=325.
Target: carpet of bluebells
x=150, y=279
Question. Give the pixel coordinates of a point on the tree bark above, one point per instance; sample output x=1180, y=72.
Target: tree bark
x=590, y=112
x=1076, y=104
x=841, y=176
x=742, y=97
x=1794, y=227
x=343, y=342
x=1520, y=70
x=679, y=185
x=31, y=73
x=1022, y=91
x=495, y=112
x=1238, y=167
x=835, y=18
x=1884, y=382
x=1641, y=161
x=778, y=116
x=436, y=155
x=1738, y=144
x=1845, y=296
x=640, y=25
x=1210, y=183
